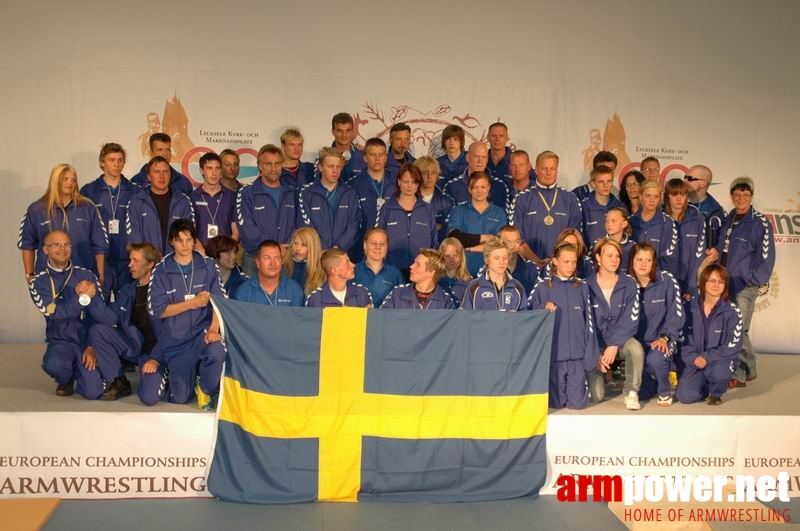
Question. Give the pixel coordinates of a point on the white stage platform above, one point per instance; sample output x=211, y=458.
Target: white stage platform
x=74, y=448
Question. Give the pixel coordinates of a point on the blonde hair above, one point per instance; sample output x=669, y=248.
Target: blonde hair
x=314, y=274
x=492, y=245
x=427, y=163
x=52, y=195
x=435, y=262
x=462, y=273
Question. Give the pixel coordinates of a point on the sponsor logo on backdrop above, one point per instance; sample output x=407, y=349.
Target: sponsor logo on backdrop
x=614, y=139
x=186, y=154
x=175, y=122
x=786, y=221
x=426, y=126
x=765, y=301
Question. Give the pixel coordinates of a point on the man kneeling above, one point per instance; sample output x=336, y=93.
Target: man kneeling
x=189, y=354
x=71, y=301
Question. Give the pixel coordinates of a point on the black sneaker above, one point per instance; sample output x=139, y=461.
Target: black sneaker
x=66, y=389
x=714, y=400
x=124, y=386
x=119, y=388
x=112, y=392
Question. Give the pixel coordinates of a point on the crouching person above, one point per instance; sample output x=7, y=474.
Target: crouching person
x=133, y=338
x=187, y=360
x=713, y=339
x=71, y=301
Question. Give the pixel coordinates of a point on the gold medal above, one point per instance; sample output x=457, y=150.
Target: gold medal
x=548, y=219
x=51, y=308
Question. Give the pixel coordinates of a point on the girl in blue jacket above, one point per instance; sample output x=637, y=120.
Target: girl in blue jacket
x=615, y=305
x=660, y=322
x=408, y=220
x=574, y=351
x=713, y=339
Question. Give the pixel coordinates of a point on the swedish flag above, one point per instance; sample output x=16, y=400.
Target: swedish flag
x=348, y=404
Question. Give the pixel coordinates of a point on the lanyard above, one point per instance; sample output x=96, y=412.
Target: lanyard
x=191, y=278
x=729, y=232
x=53, y=291
x=111, y=199
x=216, y=210
x=269, y=299
x=378, y=192
x=548, y=220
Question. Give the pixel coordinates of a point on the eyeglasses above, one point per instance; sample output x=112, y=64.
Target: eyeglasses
x=60, y=245
x=691, y=178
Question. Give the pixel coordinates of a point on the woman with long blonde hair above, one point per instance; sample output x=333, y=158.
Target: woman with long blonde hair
x=456, y=275
x=62, y=207
x=301, y=261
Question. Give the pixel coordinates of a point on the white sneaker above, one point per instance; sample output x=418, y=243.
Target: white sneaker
x=632, y=401
x=664, y=401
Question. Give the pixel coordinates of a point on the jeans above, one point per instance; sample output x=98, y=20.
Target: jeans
x=746, y=368
x=633, y=353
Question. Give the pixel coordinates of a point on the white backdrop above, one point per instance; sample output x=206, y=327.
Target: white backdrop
x=692, y=82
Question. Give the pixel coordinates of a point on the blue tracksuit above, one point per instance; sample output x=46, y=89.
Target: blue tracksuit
x=618, y=322
x=83, y=224
x=288, y=293
x=337, y=227
x=236, y=279
x=143, y=224
x=404, y=298
x=259, y=218
x=691, y=250
x=513, y=193
x=442, y=205
x=123, y=307
x=178, y=182
x=498, y=193
x=113, y=204
x=718, y=338
x=354, y=166
x=356, y=296
x=216, y=210
x=455, y=288
x=305, y=175
x=480, y=294
x=393, y=165
x=662, y=233
x=525, y=272
x=370, y=196
x=582, y=192
x=451, y=169
x=379, y=285
x=465, y=218
x=714, y=214
x=408, y=231
x=299, y=273
x=662, y=314
x=70, y=329
x=575, y=351
x=751, y=250
x=501, y=169
x=529, y=212
x=594, y=216
x=181, y=337
x=369, y=192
